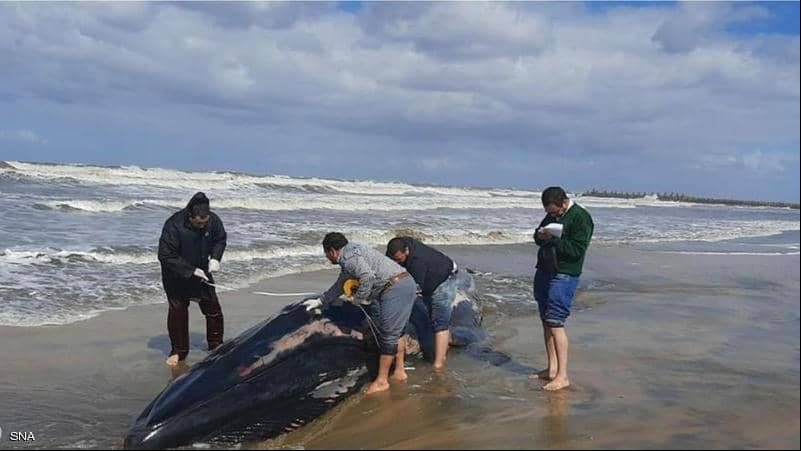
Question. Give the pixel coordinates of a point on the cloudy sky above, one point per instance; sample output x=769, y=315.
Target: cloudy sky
x=701, y=98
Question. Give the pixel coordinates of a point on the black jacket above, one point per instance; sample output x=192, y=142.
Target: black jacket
x=547, y=260
x=182, y=248
x=428, y=266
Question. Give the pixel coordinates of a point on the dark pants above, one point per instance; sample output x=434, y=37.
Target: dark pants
x=178, y=323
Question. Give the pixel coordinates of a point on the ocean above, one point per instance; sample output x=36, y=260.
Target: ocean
x=78, y=240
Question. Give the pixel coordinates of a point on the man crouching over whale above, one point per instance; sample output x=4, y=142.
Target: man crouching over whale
x=387, y=293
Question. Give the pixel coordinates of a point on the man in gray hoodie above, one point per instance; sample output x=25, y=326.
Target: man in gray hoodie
x=385, y=289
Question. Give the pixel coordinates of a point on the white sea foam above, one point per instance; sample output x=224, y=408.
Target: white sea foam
x=345, y=202
x=98, y=206
x=47, y=255
x=87, y=245
x=298, y=203
x=40, y=313
x=768, y=254
x=419, y=197
x=53, y=318
x=229, y=182
x=216, y=181
x=379, y=237
x=709, y=231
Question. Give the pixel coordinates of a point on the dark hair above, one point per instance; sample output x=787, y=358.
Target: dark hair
x=396, y=245
x=334, y=240
x=199, y=210
x=553, y=195
x=198, y=205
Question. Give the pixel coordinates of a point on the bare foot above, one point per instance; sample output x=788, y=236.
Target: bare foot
x=439, y=366
x=178, y=369
x=376, y=387
x=172, y=360
x=557, y=384
x=399, y=376
x=544, y=375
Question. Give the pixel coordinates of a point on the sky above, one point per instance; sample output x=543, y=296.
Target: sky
x=699, y=98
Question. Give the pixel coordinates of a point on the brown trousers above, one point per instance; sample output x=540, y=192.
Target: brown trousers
x=178, y=323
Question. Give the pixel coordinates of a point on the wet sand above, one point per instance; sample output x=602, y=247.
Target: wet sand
x=667, y=351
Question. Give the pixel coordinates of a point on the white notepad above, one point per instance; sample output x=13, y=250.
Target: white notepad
x=555, y=228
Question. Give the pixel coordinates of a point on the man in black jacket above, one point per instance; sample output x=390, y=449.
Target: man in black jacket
x=190, y=249
x=435, y=274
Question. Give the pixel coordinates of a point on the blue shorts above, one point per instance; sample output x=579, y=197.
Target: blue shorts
x=440, y=303
x=554, y=294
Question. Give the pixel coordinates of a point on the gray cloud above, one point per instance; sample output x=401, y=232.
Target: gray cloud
x=659, y=86
x=693, y=23
x=458, y=31
x=266, y=14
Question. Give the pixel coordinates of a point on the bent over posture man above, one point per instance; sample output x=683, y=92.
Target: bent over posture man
x=436, y=275
x=385, y=289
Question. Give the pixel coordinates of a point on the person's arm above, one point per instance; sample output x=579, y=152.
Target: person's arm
x=571, y=247
x=170, y=255
x=537, y=239
x=358, y=267
x=219, y=239
x=336, y=289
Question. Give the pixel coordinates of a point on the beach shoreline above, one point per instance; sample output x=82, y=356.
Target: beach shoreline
x=668, y=350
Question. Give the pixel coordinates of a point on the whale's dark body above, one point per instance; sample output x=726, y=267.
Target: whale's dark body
x=283, y=373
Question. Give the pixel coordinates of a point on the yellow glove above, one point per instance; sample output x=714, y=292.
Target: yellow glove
x=350, y=286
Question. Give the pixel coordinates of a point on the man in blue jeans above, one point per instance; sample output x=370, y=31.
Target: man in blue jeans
x=563, y=237
x=436, y=277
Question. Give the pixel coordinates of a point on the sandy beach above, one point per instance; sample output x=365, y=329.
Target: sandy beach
x=667, y=351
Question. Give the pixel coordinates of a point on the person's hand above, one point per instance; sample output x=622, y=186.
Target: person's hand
x=200, y=274
x=544, y=234
x=214, y=265
x=313, y=305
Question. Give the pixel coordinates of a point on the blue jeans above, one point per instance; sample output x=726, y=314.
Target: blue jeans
x=554, y=294
x=440, y=303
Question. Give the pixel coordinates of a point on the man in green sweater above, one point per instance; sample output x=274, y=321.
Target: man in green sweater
x=563, y=237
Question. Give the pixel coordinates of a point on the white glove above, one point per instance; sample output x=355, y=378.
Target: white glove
x=313, y=305
x=214, y=265
x=201, y=274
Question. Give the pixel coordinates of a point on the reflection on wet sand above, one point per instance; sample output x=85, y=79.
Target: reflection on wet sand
x=555, y=431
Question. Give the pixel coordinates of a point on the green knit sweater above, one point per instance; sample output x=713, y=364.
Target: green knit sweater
x=576, y=235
